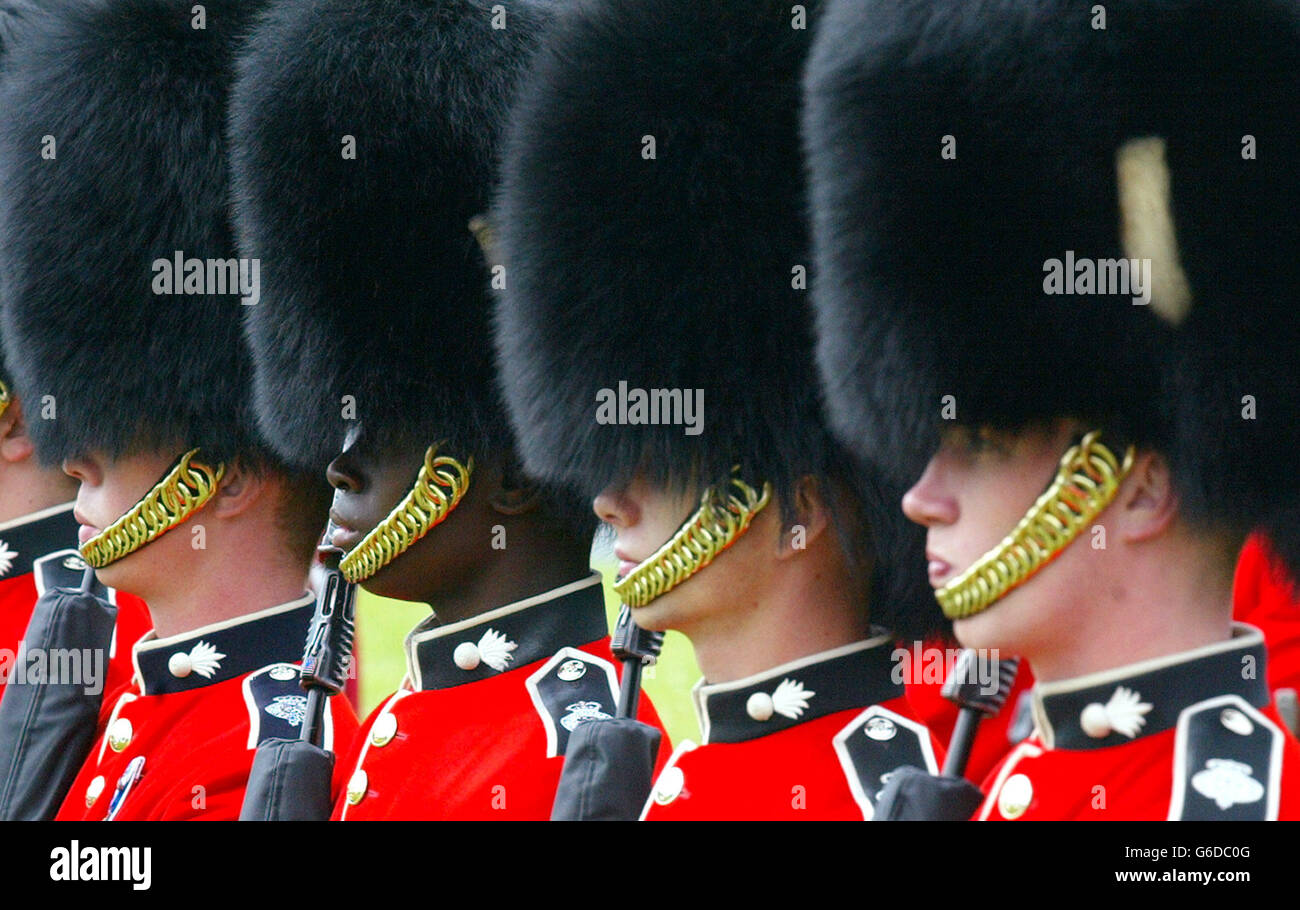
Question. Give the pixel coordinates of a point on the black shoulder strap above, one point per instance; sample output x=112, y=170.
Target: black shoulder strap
x=1227, y=763
x=873, y=745
x=65, y=569
x=569, y=689
x=277, y=704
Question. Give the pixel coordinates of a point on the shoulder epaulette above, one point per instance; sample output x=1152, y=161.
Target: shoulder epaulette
x=571, y=687
x=65, y=569
x=1227, y=763
x=873, y=745
x=277, y=705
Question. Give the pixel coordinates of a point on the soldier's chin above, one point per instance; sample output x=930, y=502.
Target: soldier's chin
x=1001, y=625
x=401, y=579
x=124, y=575
x=667, y=611
x=388, y=582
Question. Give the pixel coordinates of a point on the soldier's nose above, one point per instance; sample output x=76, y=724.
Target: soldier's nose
x=82, y=469
x=928, y=503
x=615, y=508
x=343, y=474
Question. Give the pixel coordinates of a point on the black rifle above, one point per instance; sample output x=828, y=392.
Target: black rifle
x=636, y=648
x=964, y=689
x=290, y=779
x=913, y=795
x=327, y=657
x=609, y=764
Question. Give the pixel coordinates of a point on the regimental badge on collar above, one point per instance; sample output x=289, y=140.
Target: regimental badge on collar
x=493, y=649
x=203, y=659
x=789, y=699
x=1124, y=713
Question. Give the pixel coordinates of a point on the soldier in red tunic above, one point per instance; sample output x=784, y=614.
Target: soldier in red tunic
x=1052, y=273
x=655, y=344
x=180, y=501
x=374, y=366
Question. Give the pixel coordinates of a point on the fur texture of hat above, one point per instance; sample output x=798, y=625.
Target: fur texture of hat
x=112, y=160
x=957, y=148
x=653, y=225
x=375, y=306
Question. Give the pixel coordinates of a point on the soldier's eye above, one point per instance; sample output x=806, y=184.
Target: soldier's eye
x=987, y=440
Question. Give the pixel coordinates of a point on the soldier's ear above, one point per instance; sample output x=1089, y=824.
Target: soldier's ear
x=515, y=494
x=1147, y=502
x=242, y=486
x=15, y=444
x=812, y=518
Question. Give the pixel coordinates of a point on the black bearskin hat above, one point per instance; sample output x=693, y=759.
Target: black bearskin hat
x=364, y=141
x=113, y=167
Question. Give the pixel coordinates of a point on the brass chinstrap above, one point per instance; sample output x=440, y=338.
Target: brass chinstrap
x=439, y=487
x=184, y=490
x=716, y=525
x=1086, y=482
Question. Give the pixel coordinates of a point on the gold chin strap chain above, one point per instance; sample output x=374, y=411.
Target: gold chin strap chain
x=439, y=487
x=1086, y=482
x=184, y=490
x=715, y=526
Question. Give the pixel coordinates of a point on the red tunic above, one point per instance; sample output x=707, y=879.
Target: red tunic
x=36, y=554
x=179, y=741
x=814, y=739
x=1265, y=596
x=1189, y=736
x=478, y=729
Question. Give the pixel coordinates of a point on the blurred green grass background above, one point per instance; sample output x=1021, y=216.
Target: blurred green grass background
x=382, y=626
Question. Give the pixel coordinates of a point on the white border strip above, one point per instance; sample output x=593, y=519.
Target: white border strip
x=1243, y=636
x=682, y=748
x=33, y=517
x=1024, y=749
x=386, y=708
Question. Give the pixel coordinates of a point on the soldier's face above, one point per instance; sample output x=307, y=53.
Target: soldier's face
x=973, y=493
x=110, y=487
x=368, y=483
x=643, y=518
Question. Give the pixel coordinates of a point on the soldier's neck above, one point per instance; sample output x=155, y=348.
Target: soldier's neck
x=1156, y=611
x=526, y=568
x=798, y=614
x=234, y=576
